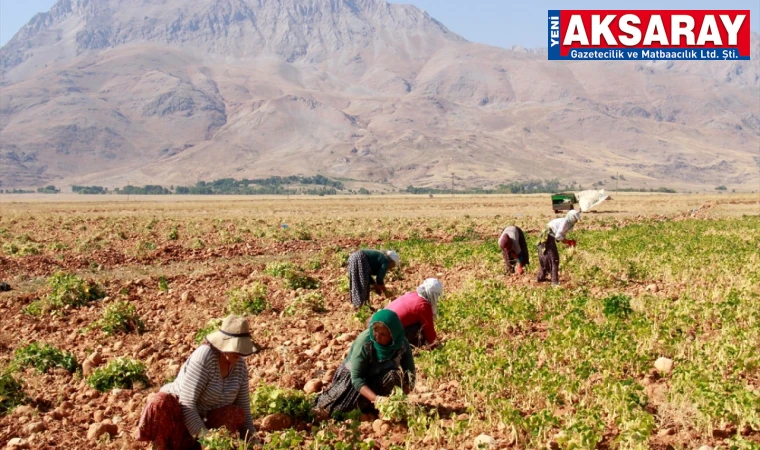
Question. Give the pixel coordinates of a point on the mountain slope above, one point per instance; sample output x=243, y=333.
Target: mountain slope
x=98, y=92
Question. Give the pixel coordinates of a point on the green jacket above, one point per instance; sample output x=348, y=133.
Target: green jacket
x=379, y=264
x=364, y=364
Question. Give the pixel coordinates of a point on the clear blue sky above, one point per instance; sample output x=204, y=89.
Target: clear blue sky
x=495, y=22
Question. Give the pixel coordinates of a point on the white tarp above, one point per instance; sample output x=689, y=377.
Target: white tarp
x=591, y=198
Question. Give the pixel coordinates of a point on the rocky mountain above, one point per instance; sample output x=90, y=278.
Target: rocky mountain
x=112, y=92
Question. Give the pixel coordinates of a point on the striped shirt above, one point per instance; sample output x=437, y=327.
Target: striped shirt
x=201, y=388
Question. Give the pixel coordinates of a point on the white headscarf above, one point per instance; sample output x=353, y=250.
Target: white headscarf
x=393, y=256
x=573, y=216
x=431, y=290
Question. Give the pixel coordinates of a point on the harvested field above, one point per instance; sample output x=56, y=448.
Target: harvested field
x=674, y=276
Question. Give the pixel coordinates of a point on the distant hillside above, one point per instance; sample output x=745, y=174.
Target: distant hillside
x=97, y=92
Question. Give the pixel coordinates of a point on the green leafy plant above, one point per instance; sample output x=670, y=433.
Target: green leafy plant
x=44, y=357
x=144, y=246
x=120, y=317
x=67, y=290
x=226, y=237
x=11, y=392
x=343, y=438
x=211, y=326
x=57, y=246
x=119, y=373
x=279, y=269
x=10, y=248
x=299, y=280
x=617, y=306
x=303, y=235
x=251, y=299
x=222, y=439
x=268, y=399
x=305, y=304
x=396, y=407
x=340, y=259
x=284, y=441
x=313, y=264
x=344, y=284
x=173, y=234
x=22, y=248
x=163, y=284
x=363, y=314
x=294, y=277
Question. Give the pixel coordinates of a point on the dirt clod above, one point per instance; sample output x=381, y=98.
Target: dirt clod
x=17, y=443
x=96, y=358
x=35, y=427
x=98, y=429
x=663, y=364
x=484, y=441
x=380, y=427
x=88, y=367
x=276, y=422
x=313, y=386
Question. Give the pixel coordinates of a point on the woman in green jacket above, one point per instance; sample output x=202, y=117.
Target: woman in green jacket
x=379, y=360
x=362, y=265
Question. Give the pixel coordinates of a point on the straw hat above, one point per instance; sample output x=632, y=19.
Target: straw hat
x=233, y=337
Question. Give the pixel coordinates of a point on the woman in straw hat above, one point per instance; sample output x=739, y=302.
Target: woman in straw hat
x=379, y=360
x=210, y=391
x=416, y=311
x=362, y=265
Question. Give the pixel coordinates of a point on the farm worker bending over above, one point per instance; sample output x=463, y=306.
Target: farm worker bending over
x=210, y=391
x=514, y=249
x=362, y=265
x=379, y=360
x=548, y=255
x=416, y=311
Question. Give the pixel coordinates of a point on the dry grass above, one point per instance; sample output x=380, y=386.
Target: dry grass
x=534, y=205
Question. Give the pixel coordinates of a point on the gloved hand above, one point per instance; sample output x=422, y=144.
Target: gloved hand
x=569, y=242
x=520, y=270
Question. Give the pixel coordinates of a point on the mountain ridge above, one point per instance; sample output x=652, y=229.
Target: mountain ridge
x=95, y=93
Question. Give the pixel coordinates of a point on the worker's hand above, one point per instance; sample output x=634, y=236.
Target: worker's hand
x=379, y=400
x=252, y=442
x=202, y=433
x=379, y=289
x=571, y=243
x=520, y=269
x=432, y=346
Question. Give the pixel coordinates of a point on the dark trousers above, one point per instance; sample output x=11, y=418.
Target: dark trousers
x=341, y=395
x=548, y=257
x=415, y=336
